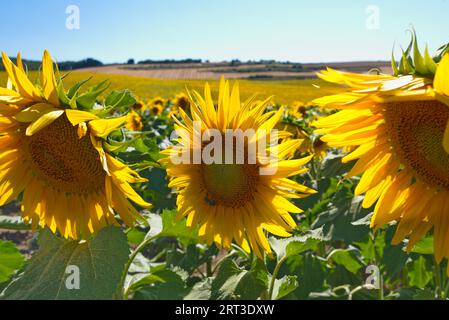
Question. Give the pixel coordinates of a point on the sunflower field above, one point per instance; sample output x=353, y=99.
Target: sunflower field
x=355, y=204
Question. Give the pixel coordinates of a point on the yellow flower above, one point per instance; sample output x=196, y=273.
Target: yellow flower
x=156, y=106
x=156, y=109
x=182, y=101
x=295, y=132
x=234, y=200
x=54, y=157
x=396, y=126
x=139, y=106
x=158, y=101
x=134, y=122
x=319, y=148
x=297, y=110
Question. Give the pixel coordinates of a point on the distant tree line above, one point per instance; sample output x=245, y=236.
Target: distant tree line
x=90, y=62
x=170, y=61
x=65, y=65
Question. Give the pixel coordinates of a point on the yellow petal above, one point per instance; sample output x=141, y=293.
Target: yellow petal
x=20, y=80
x=48, y=80
x=32, y=113
x=102, y=127
x=76, y=116
x=441, y=82
x=82, y=130
x=46, y=119
x=19, y=62
x=9, y=96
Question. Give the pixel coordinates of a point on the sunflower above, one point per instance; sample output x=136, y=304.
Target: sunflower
x=52, y=155
x=397, y=127
x=234, y=200
x=295, y=132
x=182, y=101
x=297, y=110
x=319, y=148
x=139, y=105
x=134, y=122
x=156, y=106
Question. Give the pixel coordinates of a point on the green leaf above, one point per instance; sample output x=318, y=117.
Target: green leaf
x=419, y=276
x=311, y=274
x=119, y=99
x=287, y=247
x=13, y=223
x=284, y=286
x=135, y=236
x=233, y=282
x=424, y=246
x=10, y=260
x=100, y=262
x=340, y=220
x=394, y=258
x=346, y=258
x=424, y=295
x=87, y=100
x=73, y=91
x=166, y=225
x=61, y=94
x=418, y=59
x=162, y=285
x=201, y=290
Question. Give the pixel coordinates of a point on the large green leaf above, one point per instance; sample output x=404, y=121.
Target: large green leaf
x=284, y=286
x=285, y=248
x=310, y=272
x=166, y=225
x=424, y=246
x=346, y=258
x=162, y=285
x=10, y=260
x=51, y=270
x=119, y=99
x=87, y=100
x=233, y=282
x=419, y=275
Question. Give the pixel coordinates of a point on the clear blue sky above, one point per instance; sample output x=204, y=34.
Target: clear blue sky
x=295, y=30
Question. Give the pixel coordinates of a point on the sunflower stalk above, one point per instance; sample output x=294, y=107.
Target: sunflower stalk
x=121, y=290
x=274, y=277
x=439, y=292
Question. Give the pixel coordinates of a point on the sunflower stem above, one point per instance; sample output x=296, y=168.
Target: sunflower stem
x=121, y=293
x=438, y=284
x=273, y=278
x=209, y=267
x=380, y=292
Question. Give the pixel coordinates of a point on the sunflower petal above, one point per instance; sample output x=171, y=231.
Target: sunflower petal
x=77, y=116
x=46, y=119
x=441, y=82
x=48, y=80
x=20, y=80
x=102, y=127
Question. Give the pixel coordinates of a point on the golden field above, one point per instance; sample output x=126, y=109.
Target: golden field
x=283, y=91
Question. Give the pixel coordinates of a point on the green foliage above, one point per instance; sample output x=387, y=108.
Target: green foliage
x=100, y=262
x=10, y=260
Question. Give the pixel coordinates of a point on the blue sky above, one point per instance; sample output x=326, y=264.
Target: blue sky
x=295, y=30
